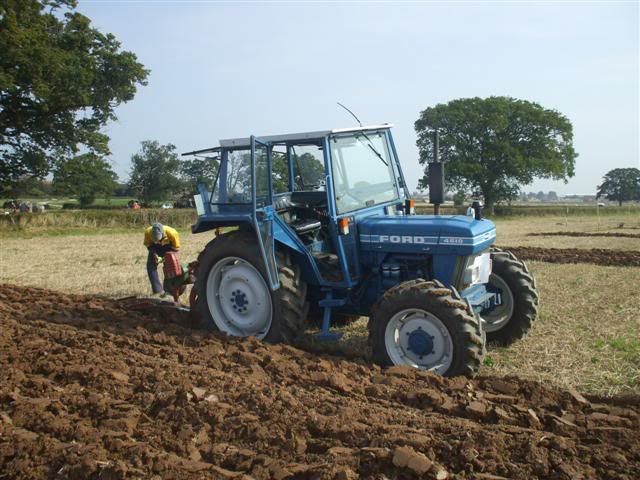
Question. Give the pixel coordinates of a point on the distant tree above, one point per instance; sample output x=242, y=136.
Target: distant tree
x=308, y=170
x=494, y=145
x=85, y=177
x=198, y=171
x=29, y=186
x=60, y=83
x=154, y=172
x=122, y=190
x=552, y=196
x=280, y=174
x=620, y=185
x=541, y=196
x=459, y=198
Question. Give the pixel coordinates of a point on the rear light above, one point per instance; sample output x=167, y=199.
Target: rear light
x=410, y=206
x=343, y=226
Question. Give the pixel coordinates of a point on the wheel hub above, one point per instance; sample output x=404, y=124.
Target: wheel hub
x=418, y=338
x=420, y=342
x=238, y=298
x=239, y=301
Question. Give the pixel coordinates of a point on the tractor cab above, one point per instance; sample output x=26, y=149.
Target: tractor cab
x=330, y=210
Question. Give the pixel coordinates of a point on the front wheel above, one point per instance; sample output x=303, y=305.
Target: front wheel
x=234, y=297
x=425, y=325
x=512, y=318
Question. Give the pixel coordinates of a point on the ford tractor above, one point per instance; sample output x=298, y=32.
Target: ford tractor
x=322, y=224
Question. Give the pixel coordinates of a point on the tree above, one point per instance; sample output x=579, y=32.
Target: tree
x=60, y=82
x=85, y=177
x=154, y=170
x=492, y=146
x=199, y=170
x=620, y=185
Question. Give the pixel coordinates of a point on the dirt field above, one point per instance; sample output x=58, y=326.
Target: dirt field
x=596, y=256
x=88, y=390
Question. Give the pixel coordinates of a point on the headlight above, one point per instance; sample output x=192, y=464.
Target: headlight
x=477, y=270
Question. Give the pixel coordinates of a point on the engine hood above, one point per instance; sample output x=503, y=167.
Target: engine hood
x=453, y=234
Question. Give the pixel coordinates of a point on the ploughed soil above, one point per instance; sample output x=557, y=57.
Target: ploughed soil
x=90, y=390
x=585, y=234
x=597, y=256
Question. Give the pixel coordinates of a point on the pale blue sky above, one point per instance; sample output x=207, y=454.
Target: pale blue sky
x=225, y=69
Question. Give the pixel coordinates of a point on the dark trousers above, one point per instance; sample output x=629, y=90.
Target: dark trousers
x=156, y=251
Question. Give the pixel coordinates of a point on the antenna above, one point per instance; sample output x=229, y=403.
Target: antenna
x=352, y=114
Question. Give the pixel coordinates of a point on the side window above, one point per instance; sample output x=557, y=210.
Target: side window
x=280, y=173
x=308, y=167
x=237, y=181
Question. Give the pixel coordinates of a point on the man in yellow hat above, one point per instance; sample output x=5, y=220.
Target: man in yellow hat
x=159, y=239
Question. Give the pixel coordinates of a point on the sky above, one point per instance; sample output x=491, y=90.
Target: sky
x=232, y=69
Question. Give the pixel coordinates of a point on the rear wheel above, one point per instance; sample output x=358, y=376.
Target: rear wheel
x=425, y=325
x=234, y=297
x=512, y=318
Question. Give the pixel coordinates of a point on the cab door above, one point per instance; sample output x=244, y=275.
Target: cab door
x=263, y=211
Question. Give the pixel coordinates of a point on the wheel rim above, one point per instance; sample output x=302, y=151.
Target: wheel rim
x=238, y=298
x=498, y=316
x=419, y=339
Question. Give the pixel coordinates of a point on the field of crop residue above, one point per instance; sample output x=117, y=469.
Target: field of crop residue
x=91, y=390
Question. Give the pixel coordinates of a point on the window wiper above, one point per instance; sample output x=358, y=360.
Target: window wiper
x=373, y=149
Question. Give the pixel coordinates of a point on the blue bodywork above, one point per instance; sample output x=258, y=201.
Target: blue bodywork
x=385, y=244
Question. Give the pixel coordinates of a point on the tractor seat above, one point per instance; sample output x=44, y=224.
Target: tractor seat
x=305, y=226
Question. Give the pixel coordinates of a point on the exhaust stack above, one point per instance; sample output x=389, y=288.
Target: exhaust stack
x=436, y=176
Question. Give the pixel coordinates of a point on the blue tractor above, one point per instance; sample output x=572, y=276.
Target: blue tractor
x=324, y=227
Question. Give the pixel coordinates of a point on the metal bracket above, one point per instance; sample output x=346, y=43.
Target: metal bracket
x=327, y=304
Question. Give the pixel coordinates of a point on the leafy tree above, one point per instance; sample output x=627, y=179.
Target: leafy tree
x=458, y=199
x=280, y=173
x=199, y=170
x=60, y=82
x=85, y=177
x=620, y=185
x=494, y=145
x=27, y=186
x=154, y=170
x=308, y=171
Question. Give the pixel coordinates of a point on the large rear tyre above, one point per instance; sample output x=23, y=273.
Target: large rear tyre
x=425, y=325
x=513, y=318
x=234, y=296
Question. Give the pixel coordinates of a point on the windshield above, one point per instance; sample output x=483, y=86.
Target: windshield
x=362, y=171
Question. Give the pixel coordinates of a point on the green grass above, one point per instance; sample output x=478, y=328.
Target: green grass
x=627, y=348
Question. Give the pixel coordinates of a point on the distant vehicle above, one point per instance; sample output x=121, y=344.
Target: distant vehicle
x=601, y=204
x=166, y=205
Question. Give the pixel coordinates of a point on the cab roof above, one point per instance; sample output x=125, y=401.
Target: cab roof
x=245, y=142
